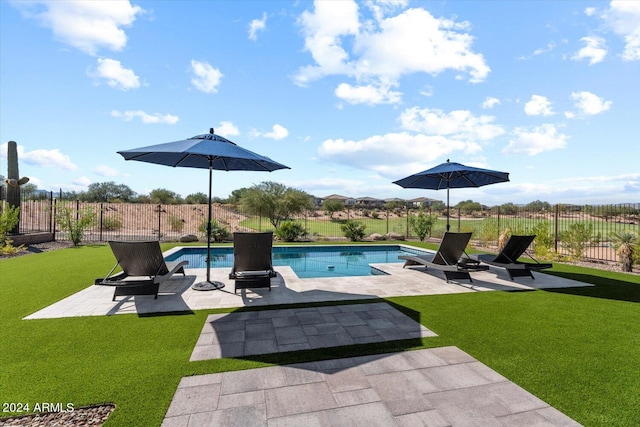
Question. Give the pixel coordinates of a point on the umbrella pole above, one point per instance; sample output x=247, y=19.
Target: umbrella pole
x=448, y=215
x=208, y=285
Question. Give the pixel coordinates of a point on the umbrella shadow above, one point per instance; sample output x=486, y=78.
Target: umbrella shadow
x=325, y=327
x=605, y=288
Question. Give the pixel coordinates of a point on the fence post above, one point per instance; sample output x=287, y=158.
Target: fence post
x=406, y=211
x=159, y=213
x=498, y=236
x=51, y=212
x=555, y=232
x=101, y=216
x=387, y=209
x=458, y=220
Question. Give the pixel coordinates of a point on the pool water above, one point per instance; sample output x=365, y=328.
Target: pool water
x=308, y=261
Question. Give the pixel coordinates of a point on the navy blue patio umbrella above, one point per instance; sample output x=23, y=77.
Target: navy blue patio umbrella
x=452, y=175
x=207, y=151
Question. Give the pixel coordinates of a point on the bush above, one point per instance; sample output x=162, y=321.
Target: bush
x=579, y=235
x=353, y=230
x=176, y=224
x=218, y=231
x=8, y=219
x=422, y=224
x=75, y=226
x=111, y=223
x=290, y=230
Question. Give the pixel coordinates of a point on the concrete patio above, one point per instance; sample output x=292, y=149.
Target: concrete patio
x=176, y=294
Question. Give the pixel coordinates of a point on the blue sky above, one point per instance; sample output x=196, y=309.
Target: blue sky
x=350, y=95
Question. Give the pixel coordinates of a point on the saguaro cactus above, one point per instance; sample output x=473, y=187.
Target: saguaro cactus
x=13, y=180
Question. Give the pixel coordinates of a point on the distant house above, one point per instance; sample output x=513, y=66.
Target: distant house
x=348, y=201
x=421, y=202
x=369, y=202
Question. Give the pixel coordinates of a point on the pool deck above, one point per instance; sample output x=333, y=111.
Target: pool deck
x=176, y=294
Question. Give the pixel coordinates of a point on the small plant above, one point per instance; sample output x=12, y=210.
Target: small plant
x=75, y=226
x=111, y=223
x=8, y=249
x=8, y=220
x=290, y=230
x=544, y=242
x=375, y=214
x=625, y=244
x=422, y=224
x=579, y=235
x=176, y=223
x=218, y=231
x=353, y=230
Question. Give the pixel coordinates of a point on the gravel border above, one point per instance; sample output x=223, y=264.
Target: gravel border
x=87, y=416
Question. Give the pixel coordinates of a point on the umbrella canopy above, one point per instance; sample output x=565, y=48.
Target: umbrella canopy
x=207, y=151
x=452, y=175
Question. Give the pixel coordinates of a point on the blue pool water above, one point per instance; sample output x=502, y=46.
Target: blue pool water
x=308, y=261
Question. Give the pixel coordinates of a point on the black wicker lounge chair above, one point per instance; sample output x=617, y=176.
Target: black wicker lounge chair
x=449, y=258
x=252, y=260
x=515, y=247
x=143, y=268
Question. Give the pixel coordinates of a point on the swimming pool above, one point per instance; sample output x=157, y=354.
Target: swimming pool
x=308, y=261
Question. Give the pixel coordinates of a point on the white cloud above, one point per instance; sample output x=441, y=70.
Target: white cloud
x=490, y=102
x=378, y=52
x=548, y=48
x=278, y=132
x=257, y=25
x=538, y=140
x=41, y=157
x=459, y=124
x=589, y=103
x=115, y=75
x=538, y=106
x=146, y=118
x=227, y=129
x=594, y=50
x=85, y=25
x=108, y=171
x=623, y=17
x=393, y=153
x=83, y=181
x=368, y=94
x=206, y=78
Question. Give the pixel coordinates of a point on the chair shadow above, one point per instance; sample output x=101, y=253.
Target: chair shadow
x=605, y=288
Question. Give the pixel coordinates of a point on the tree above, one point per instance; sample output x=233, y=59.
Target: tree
x=353, y=230
x=236, y=195
x=164, y=197
x=331, y=206
x=197, y=199
x=469, y=206
x=538, y=206
x=275, y=201
x=107, y=192
x=508, y=209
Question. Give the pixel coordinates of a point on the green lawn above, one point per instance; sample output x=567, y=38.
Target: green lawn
x=578, y=349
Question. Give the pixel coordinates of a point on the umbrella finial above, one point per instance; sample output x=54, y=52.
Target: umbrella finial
x=447, y=160
x=211, y=132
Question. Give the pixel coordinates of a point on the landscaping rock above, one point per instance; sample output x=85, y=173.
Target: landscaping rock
x=188, y=238
x=395, y=236
x=376, y=236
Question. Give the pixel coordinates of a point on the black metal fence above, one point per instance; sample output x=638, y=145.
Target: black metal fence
x=582, y=231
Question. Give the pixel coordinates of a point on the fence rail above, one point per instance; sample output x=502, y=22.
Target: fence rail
x=561, y=228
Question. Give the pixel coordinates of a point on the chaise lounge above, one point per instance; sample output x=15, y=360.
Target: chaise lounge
x=508, y=257
x=449, y=258
x=143, y=268
x=252, y=260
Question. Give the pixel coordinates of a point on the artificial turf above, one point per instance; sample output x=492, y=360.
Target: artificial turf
x=576, y=348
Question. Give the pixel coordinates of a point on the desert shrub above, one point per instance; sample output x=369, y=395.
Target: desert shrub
x=176, y=223
x=8, y=219
x=375, y=214
x=625, y=244
x=290, y=230
x=543, y=244
x=111, y=223
x=353, y=230
x=75, y=226
x=579, y=235
x=218, y=231
x=422, y=223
